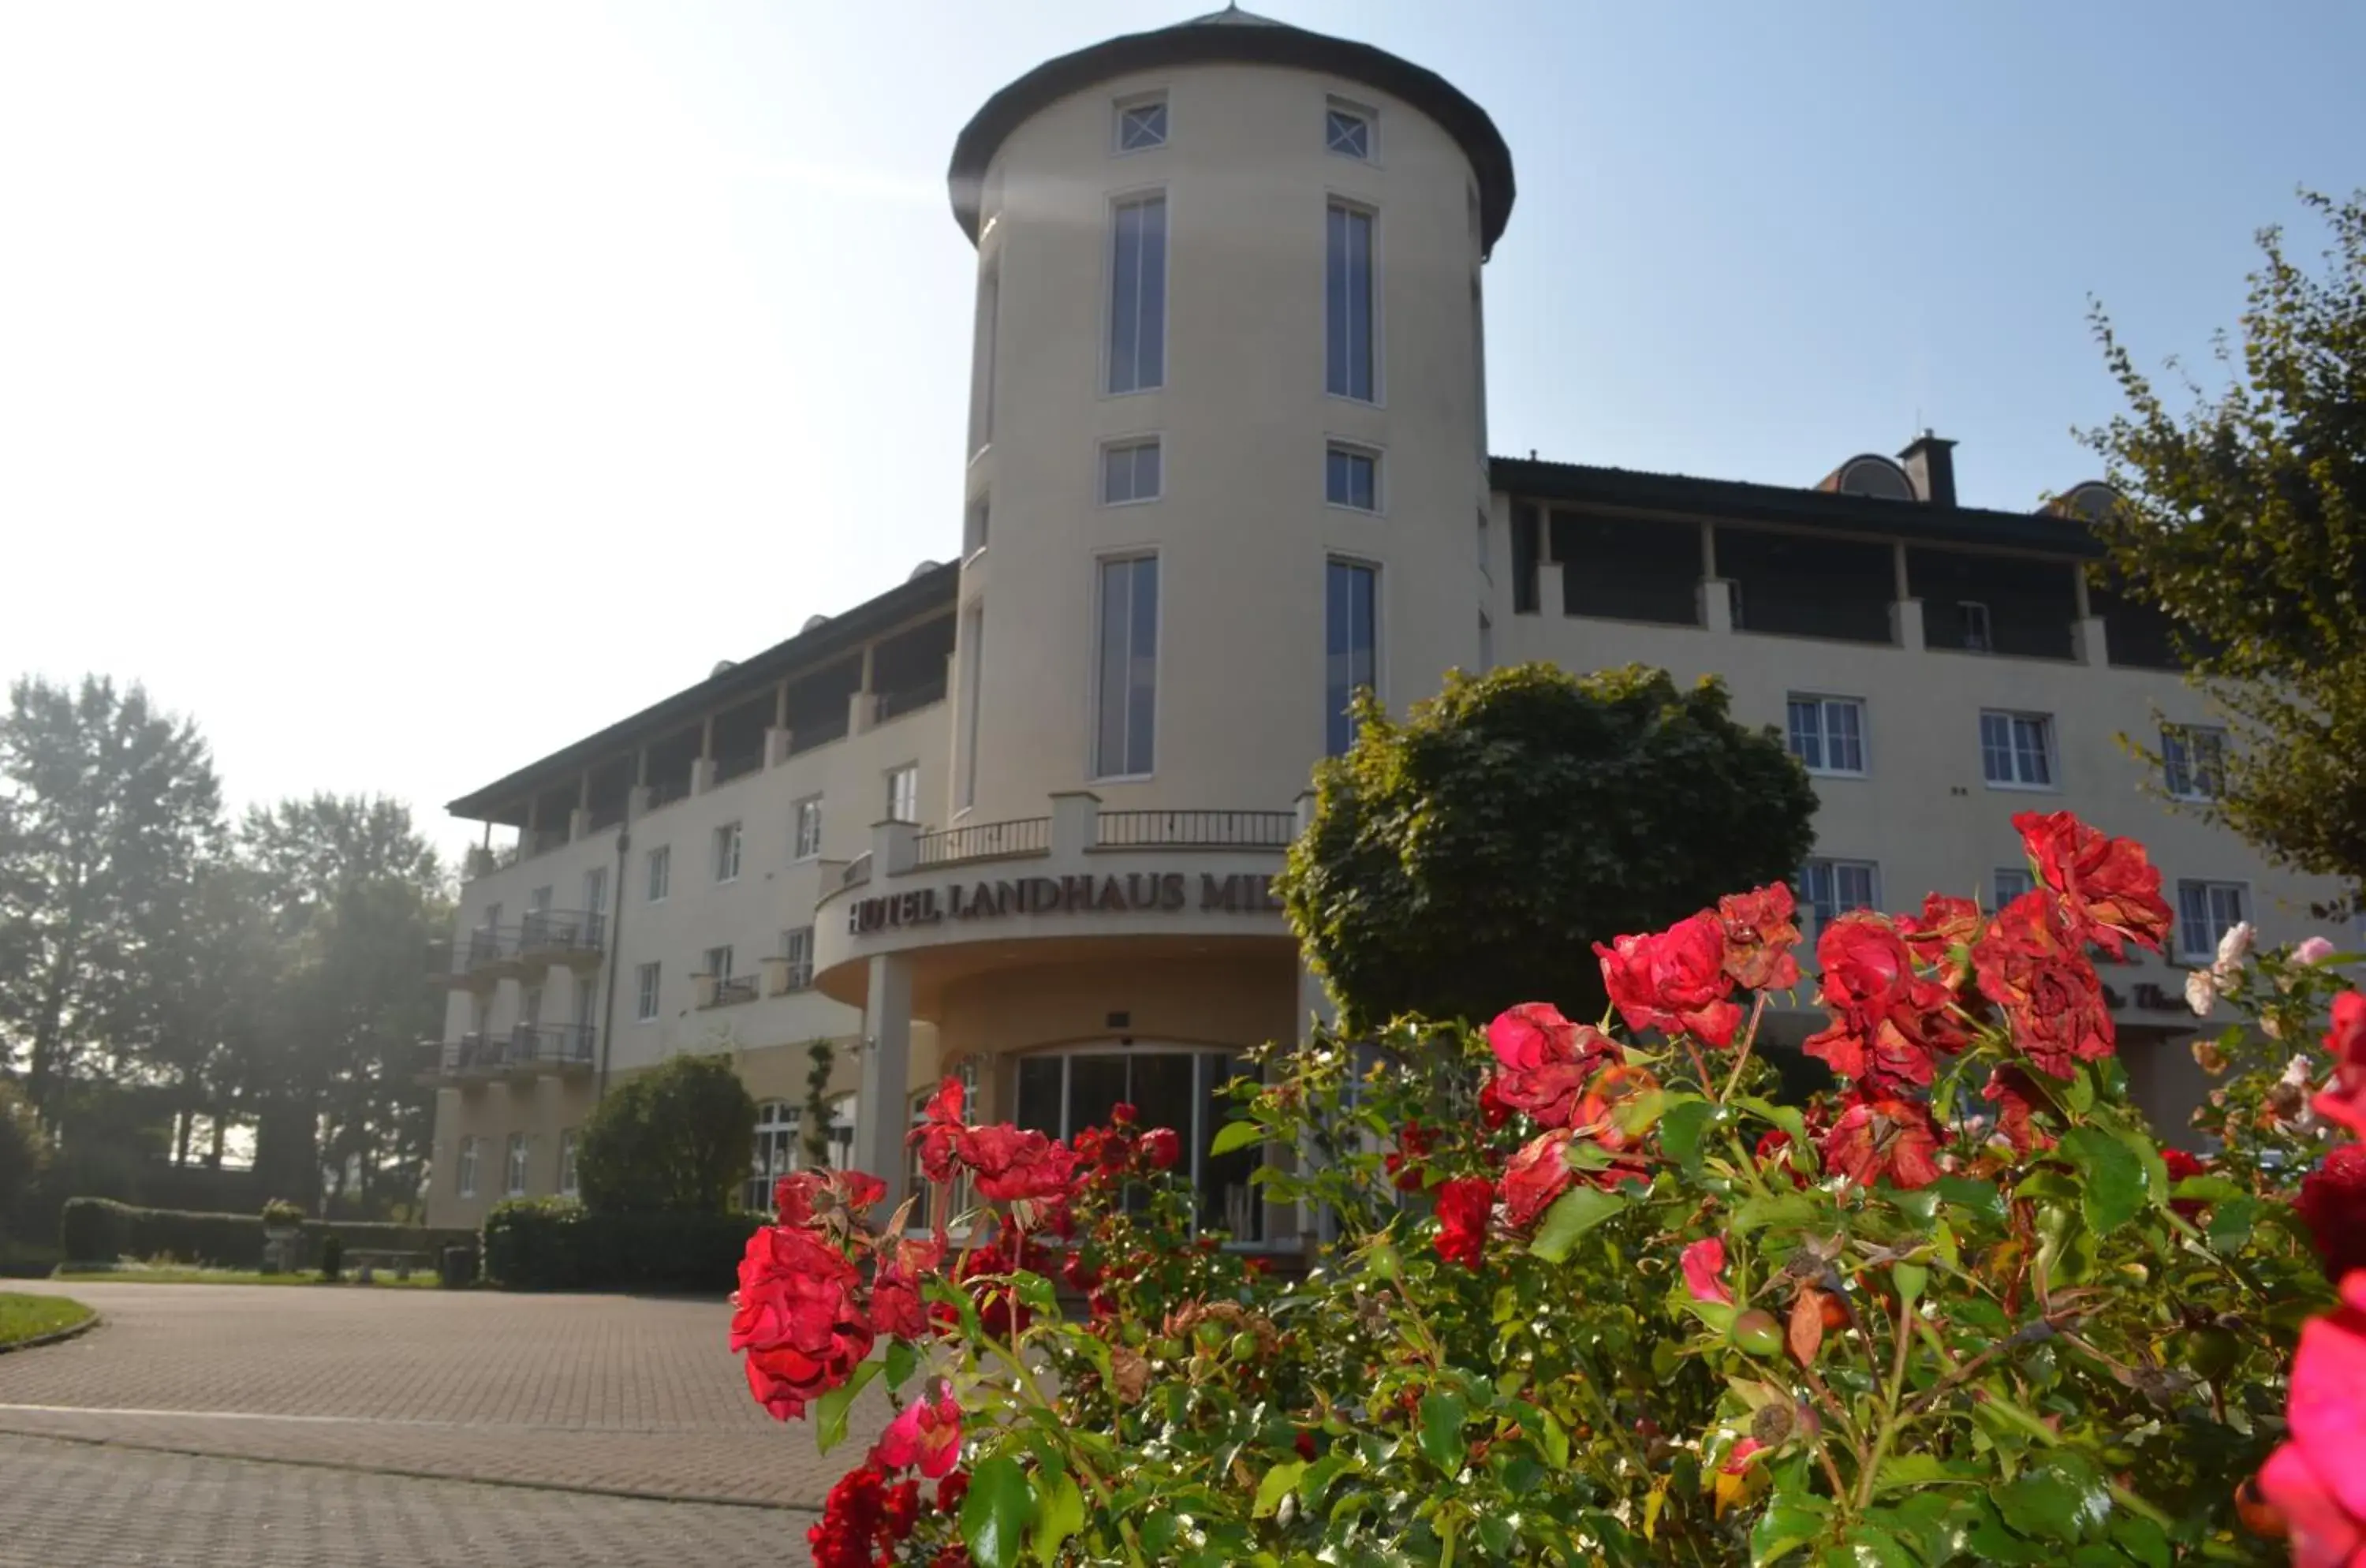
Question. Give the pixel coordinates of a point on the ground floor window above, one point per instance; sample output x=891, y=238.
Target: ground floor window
x=567, y=1185
x=513, y=1167
x=1063, y=1091
x=933, y=1210
x=780, y=1147
x=465, y=1180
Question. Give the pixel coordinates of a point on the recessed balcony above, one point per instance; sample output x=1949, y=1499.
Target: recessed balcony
x=481, y=957
x=565, y=936
x=549, y=1050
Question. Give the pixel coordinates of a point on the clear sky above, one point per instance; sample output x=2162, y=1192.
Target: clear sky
x=406, y=390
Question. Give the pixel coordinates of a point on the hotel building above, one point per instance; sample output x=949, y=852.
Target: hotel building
x=1015, y=817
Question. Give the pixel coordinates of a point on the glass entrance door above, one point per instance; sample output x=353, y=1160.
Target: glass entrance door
x=1064, y=1091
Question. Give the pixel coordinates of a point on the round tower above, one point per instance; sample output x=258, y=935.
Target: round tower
x=1227, y=451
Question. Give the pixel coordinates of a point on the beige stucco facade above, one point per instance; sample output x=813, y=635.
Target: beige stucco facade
x=1063, y=930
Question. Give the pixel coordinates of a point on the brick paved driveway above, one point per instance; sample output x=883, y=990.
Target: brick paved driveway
x=585, y=1393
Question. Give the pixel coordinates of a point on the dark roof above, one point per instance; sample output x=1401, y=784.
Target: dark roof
x=1735, y=501
x=838, y=636
x=1234, y=37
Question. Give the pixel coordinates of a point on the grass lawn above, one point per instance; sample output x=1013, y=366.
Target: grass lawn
x=143, y=1274
x=28, y=1318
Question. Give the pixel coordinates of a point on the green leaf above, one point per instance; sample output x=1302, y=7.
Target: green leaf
x=1911, y=1278
x=2140, y=1539
x=902, y=1360
x=830, y=1410
x=1442, y=1416
x=2232, y=1222
x=1981, y=1197
x=1319, y=1476
x=1574, y=1213
x=1276, y=1484
x=2209, y=1189
x=1871, y=1547
x=993, y=1515
x=2078, y=1094
x=1901, y=1472
x=1784, y=1116
x=1059, y=1514
x=1495, y=1533
x=1788, y=1523
x=1681, y=1129
x=2041, y=1503
x=2115, y=1188
x=1235, y=1135
x=1792, y=1209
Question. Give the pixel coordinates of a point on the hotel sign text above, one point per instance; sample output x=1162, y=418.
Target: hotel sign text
x=1166, y=893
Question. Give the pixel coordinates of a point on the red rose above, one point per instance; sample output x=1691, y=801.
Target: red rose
x=1161, y=1148
x=2108, y=893
x=1773, y=1147
x=1464, y=1206
x=2317, y=1479
x=940, y=1132
x=1123, y=1115
x=807, y=1195
x=950, y=1490
x=1304, y=1444
x=895, y=1307
x=925, y=1435
x=2180, y=1166
x=1403, y=1164
x=1544, y=1061
x=2332, y=1203
x=1536, y=1175
x=1012, y=1165
x=1492, y=1108
x=2016, y=1098
x=2048, y=988
x=1877, y=1138
x=797, y=1318
x=1674, y=981
x=1948, y=927
x=982, y=1273
x=2344, y=1098
x=1887, y=1020
x=1759, y=937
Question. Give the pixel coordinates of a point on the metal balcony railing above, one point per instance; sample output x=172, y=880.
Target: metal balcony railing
x=563, y=930
x=549, y=1046
x=731, y=992
x=483, y=948
x=474, y=1053
x=984, y=840
x=857, y=872
x=1196, y=830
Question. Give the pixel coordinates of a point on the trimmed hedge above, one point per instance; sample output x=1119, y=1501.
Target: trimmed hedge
x=556, y=1243
x=100, y=1230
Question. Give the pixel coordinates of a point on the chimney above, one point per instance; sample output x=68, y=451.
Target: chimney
x=1931, y=463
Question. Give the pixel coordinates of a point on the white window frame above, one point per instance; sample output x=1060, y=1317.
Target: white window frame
x=2049, y=751
x=1824, y=702
x=2205, y=951
x=2177, y=755
x=978, y=525
x=717, y=962
x=464, y=1168
x=1985, y=641
x=517, y=1160
x=1366, y=115
x=1132, y=446
x=1833, y=866
x=1136, y=103
x=797, y=954
x=1119, y=204
x=571, y=1182
x=904, y=793
x=1378, y=396
x=1372, y=569
x=2008, y=883
x=972, y=644
x=648, y=992
x=776, y=1151
x=1353, y=450
x=1095, y=695
x=805, y=828
x=727, y=844
x=657, y=884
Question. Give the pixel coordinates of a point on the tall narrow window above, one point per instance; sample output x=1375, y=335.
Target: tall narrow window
x=797, y=953
x=514, y=1168
x=981, y=392
x=567, y=1185
x=904, y=793
x=1348, y=303
x=645, y=993
x=2206, y=912
x=718, y=963
x=1478, y=364
x=1351, y=600
x=1127, y=697
x=974, y=525
x=806, y=816
x=465, y=1170
x=660, y=864
x=2193, y=758
x=973, y=644
x=727, y=852
x=1138, y=296
x=595, y=893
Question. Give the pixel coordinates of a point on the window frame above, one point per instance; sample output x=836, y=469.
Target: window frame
x=517, y=1165
x=1824, y=702
x=776, y=1149
x=1365, y=116
x=902, y=773
x=1996, y=881
x=718, y=971
x=800, y=848
x=730, y=834
x=1334, y=714
x=657, y=876
x=1133, y=446
x=1132, y=104
x=1353, y=450
x=797, y=957
x=648, y=991
x=1986, y=641
x=1377, y=394
x=2208, y=887
x=1816, y=921
x=1119, y=203
x=463, y=1168
x=2178, y=753
x=2051, y=750
x=570, y=1178
x=1096, y=695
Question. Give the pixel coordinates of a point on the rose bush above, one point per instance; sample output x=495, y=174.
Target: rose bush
x=1585, y=1298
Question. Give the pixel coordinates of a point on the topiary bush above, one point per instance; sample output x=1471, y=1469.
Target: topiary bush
x=558, y=1243
x=671, y=1141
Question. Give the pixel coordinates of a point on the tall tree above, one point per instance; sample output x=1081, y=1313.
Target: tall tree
x=110, y=806
x=2244, y=519
x=1464, y=859
x=354, y=893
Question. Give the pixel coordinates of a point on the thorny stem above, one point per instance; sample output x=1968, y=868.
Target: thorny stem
x=1741, y=1057
x=1889, y=1408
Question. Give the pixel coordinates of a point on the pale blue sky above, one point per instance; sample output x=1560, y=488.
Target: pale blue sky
x=407, y=390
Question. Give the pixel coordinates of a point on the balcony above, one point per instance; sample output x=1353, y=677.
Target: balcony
x=1195, y=829
x=712, y=992
x=857, y=872
x=984, y=841
x=483, y=955
x=569, y=936
x=549, y=1050
x=901, y=700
